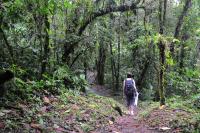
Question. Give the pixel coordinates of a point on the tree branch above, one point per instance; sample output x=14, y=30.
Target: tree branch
x=91, y=17
x=94, y=15
x=181, y=17
x=75, y=59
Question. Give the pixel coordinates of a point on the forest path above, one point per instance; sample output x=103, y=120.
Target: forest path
x=123, y=124
x=127, y=124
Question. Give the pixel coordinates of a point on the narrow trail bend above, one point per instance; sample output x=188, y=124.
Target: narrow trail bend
x=125, y=123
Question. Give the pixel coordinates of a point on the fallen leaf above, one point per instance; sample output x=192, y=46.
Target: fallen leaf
x=162, y=107
x=67, y=111
x=110, y=122
x=98, y=125
x=36, y=126
x=55, y=126
x=46, y=100
x=164, y=128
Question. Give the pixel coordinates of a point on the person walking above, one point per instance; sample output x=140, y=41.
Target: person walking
x=130, y=92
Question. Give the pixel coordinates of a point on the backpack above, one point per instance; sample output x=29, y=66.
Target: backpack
x=129, y=88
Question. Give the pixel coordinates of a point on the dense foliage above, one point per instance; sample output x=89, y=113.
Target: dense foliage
x=55, y=46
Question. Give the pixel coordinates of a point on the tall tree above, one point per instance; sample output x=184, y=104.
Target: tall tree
x=46, y=44
x=112, y=61
x=117, y=76
x=101, y=63
x=179, y=24
x=161, y=45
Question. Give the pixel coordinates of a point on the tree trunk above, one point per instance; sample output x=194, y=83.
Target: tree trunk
x=85, y=69
x=55, y=49
x=46, y=46
x=118, y=57
x=162, y=70
x=101, y=64
x=179, y=24
x=185, y=37
x=4, y=38
x=161, y=45
x=140, y=80
x=112, y=62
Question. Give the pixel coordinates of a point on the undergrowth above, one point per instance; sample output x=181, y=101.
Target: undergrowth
x=56, y=103
x=180, y=114
x=70, y=111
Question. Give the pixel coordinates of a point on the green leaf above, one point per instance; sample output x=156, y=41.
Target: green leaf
x=169, y=59
x=18, y=3
x=156, y=38
x=67, y=4
x=175, y=40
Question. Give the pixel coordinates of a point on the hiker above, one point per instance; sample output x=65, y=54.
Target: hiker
x=130, y=92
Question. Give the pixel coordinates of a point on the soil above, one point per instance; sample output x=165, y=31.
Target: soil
x=127, y=124
x=124, y=124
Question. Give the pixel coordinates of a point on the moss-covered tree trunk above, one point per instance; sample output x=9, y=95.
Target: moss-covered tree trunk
x=185, y=37
x=46, y=46
x=101, y=64
x=161, y=74
x=161, y=45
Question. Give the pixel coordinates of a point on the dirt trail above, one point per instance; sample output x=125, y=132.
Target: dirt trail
x=129, y=124
x=125, y=123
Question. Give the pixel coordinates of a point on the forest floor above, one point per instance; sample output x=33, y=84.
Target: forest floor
x=72, y=112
